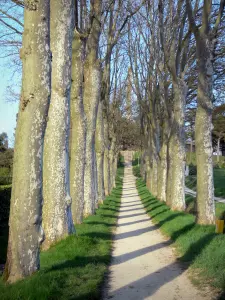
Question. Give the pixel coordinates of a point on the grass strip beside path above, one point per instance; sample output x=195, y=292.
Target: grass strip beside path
x=219, y=179
x=75, y=267
x=196, y=245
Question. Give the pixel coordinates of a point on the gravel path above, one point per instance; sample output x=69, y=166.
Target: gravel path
x=144, y=265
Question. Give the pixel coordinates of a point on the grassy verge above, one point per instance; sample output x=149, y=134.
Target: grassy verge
x=190, y=201
x=75, y=267
x=219, y=179
x=196, y=245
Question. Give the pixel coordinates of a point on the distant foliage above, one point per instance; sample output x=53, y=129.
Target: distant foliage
x=192, y=169
x=5, y=194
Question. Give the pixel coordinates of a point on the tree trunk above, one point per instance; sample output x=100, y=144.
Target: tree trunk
x=78, y=131
x=111, y=161
x=92, y=92
x=169, y=171
x=162, y=182
x=25, y=231
x=218, y=150
x=91, y=99
x=115, y=169
x=57, y=217
x=178, y=147
x=106, y=157
x=99, y=146
x=203, y=132
x=205, y=46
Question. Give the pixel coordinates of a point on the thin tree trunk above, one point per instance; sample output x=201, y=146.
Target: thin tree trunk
x=78, y=131
x=218, y=150
x=111, y=161
x=178, y=147
x=99, y=146
x=169, y=171
x=203, y=139
x=91, y=99
x=57, y=217
x=25, y=231
x=162, y=182
x=92, y=91
x=106, y=157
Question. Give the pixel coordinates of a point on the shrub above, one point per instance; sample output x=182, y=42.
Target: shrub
x=136, y=171
x=5, y=176
x=192, y=170
x=5, y=194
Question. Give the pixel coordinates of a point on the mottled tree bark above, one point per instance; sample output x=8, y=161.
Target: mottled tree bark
x=169, y=172
x=106, y=158
x=154, y=162
x=206, y=38
x=57, y=217
x=203, y=135
x=112, y=160
x=177, y=143
x=162, y=174
x=91, y=99
x=78, y=131
x=218, y=149
x=92, y=90
x=99, y=147
x=25, y=231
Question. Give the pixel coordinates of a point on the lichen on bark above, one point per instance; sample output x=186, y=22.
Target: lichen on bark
x=57, y=217
x=25, y=230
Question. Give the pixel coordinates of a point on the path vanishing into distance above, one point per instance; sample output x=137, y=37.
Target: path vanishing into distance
x=143, y=262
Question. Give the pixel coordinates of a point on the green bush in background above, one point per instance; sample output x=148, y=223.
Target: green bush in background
x=5, y=194
x=192, y=169
x=5, y=176
x=191, y=160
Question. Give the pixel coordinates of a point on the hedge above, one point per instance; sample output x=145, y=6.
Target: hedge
x=5, y=194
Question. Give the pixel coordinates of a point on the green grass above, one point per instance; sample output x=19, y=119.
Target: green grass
x=219, y=182
x=75, y=267
x=219, y=179
x=196, y=245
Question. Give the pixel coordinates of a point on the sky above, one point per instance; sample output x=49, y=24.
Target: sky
x=8, y=110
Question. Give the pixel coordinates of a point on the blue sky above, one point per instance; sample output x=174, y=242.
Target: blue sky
x=9, y=65
x=8, y=110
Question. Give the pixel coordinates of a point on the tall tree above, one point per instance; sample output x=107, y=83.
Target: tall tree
x=78, y=120
x=92, y=89
x=25, y=231
x=206, y=37
x=57, y=218
x=175, y=46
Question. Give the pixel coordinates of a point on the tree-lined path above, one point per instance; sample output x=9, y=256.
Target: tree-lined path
x=144, y=265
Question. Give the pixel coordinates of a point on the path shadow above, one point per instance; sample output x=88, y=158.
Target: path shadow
x=148, y=285
x=131, y=205
x=151, y=283
x=120, y=224
x=133, y=233
x=131, y=255
x=131, y=216
x=133, y=209
x=130, y=195
x=133, y=201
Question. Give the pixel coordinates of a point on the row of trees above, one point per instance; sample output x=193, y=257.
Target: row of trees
x=83, y=62
x=176, y=58
x=67, y=136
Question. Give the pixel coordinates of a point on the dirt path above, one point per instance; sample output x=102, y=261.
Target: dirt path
x=143, y=265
